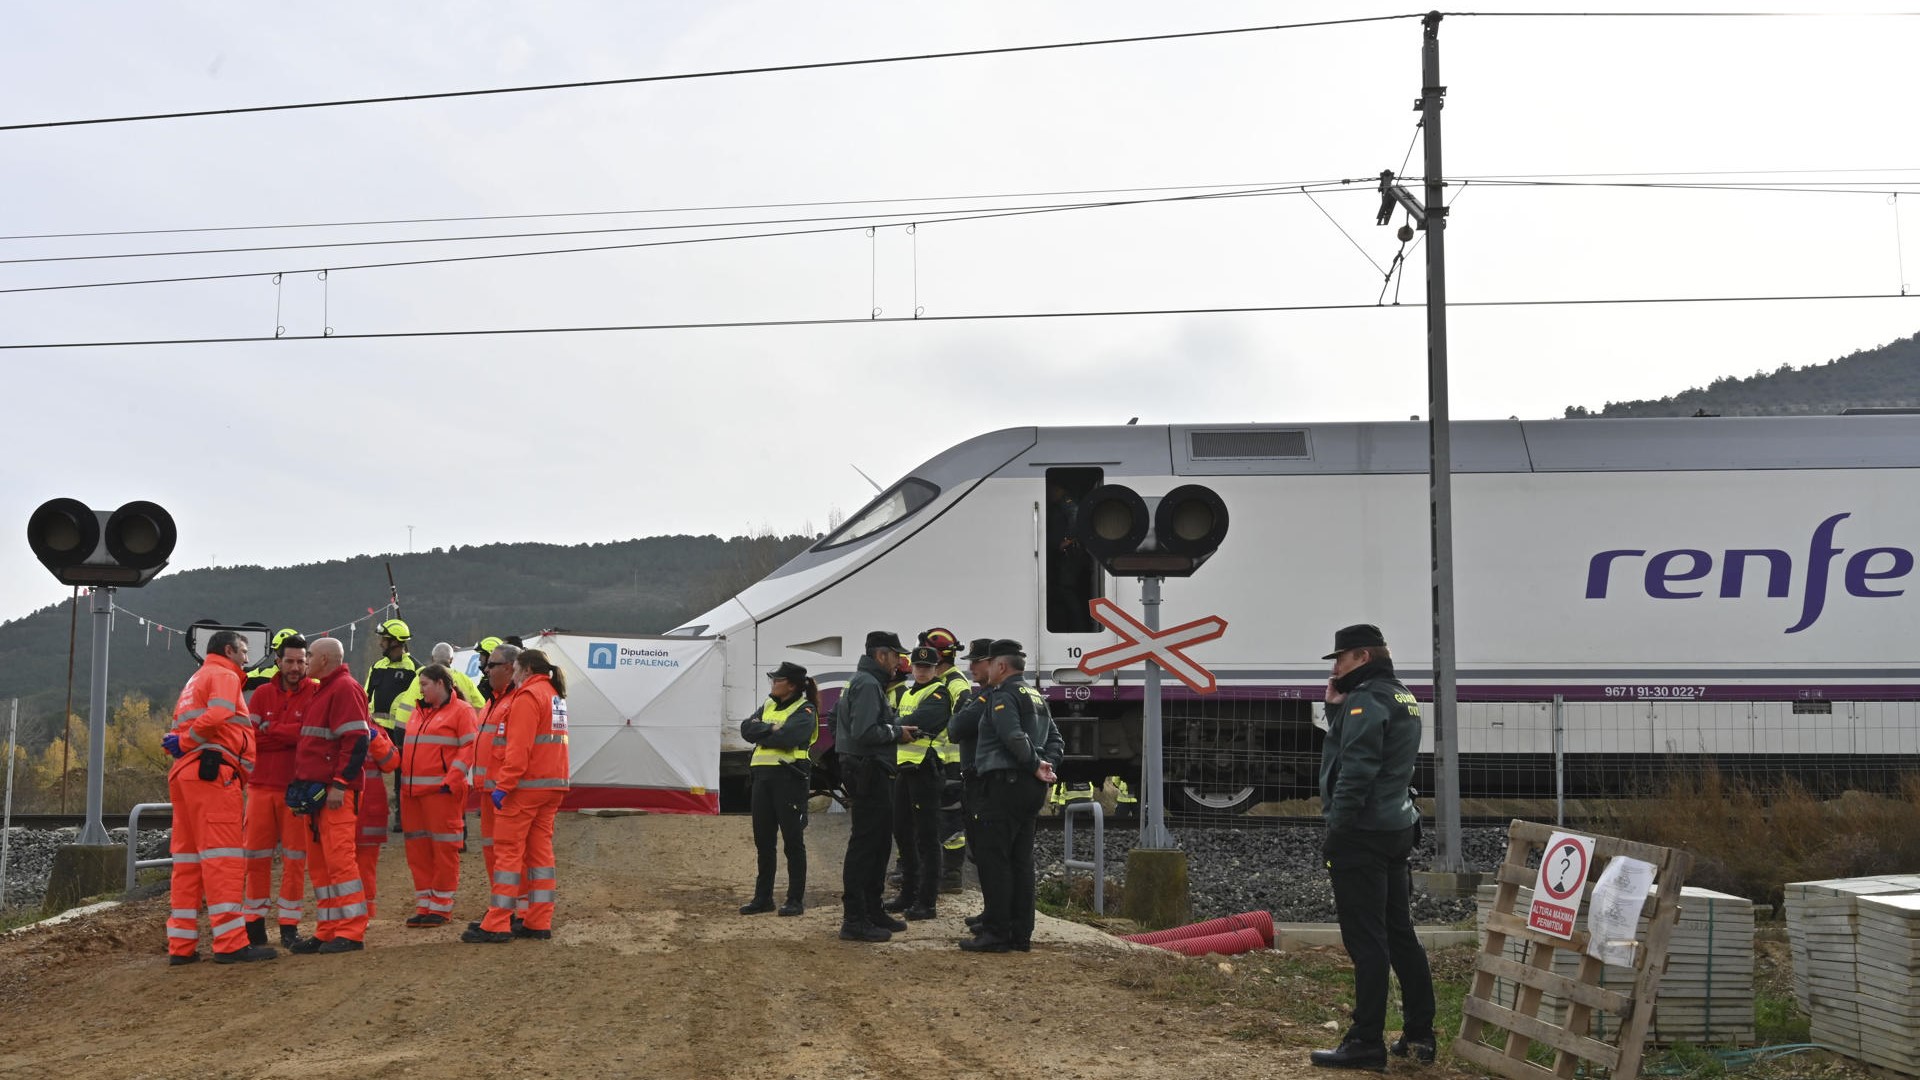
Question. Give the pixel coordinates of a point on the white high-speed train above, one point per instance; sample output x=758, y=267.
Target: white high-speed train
x=1742, y=588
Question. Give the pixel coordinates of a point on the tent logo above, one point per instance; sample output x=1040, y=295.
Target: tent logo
x=602, y=654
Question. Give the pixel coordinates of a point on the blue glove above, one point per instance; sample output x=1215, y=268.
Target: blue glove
x=171, y=744
x=498, y=798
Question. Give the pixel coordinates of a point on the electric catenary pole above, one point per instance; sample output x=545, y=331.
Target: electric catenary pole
x=1431, y=215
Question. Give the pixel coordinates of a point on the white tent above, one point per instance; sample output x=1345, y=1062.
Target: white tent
x=644, y=719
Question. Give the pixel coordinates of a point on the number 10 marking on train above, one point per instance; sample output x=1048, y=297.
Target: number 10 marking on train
x=1161, y=647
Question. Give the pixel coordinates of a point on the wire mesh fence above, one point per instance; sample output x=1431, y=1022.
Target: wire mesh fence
x=1256, y=754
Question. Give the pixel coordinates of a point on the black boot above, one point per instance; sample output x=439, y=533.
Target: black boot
x=289, y=935
x=256, y=931
x=921, y=912
x=986, y=942
x=759, y=905
x=793, y=907
x=1421, y=1047
x=1353, y=1054
x=340, y=945
x=898, y=903
x=887, y=923
x=857, y=932
x=247, y=955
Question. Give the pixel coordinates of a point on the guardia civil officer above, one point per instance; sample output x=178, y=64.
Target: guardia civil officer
x=1014, y=776
x=926, y=705
x=865, y=733
x=1366, y=778
x=782, y=730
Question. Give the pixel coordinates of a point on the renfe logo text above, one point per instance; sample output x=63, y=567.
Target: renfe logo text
x=1667, y=575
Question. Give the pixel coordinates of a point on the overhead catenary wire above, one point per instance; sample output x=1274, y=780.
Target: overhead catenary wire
x=867, y=201
x=915, y=214
x=771, y=69
x=868, y=320
x=674, y=209
x=486, y=256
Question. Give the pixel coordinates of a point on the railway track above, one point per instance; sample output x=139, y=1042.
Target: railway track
x=47, y=822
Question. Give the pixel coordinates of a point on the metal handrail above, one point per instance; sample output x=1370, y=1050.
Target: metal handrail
x=135, y=863
x=1099, y=862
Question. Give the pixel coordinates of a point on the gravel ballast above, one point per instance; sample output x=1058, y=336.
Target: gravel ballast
x=1270, y=868
x=30, y=858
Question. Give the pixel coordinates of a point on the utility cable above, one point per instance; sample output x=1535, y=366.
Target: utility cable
x=981, y=216
x=680, y=209
x=918, y=199
x=1343, y=231
x=716, y=74
x=983, y=317
x=916, y=214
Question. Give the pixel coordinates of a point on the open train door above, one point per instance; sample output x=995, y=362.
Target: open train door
x=641, y=720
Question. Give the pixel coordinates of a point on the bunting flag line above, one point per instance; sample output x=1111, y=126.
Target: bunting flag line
x=168, y=633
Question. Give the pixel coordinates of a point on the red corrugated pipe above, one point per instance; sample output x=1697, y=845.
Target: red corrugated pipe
x=1260, y=922
x=1229, y=944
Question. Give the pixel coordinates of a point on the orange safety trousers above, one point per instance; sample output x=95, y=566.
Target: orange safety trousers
x=209, y=864
x=487, y=824
x=434, y=830
x=372, y=834
x=523, y=863
x=272, y=824
x=339, y=896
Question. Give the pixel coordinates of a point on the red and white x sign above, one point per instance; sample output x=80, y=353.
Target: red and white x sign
x=1161, y=647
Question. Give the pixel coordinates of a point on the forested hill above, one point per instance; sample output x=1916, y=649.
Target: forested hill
x=1886, y=377
x=457, y=595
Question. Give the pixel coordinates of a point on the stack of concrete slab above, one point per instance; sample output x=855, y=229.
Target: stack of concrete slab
x=1824, y=936
x=1888, y=966
x=1706, y=995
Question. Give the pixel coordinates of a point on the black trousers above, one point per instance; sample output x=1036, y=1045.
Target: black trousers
x=780, y=814
x=953, y=820
x=916, y=829
x=869, y=786
x=1372, y=885
x=1002, y=836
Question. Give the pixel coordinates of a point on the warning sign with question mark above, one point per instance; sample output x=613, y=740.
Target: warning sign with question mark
x=1562, y=880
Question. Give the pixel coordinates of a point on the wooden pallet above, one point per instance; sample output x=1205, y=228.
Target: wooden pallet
x=1574, y=1040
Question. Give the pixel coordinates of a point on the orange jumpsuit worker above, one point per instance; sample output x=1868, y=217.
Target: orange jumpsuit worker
x=212, y=738
x=271, y=823
x=382, y=757
x=334, y=737
x=528, y=789
x=490, y=743
x=433, y=793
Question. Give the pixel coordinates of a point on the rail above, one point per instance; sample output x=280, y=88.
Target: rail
x=135, y=863
x=1098, y=864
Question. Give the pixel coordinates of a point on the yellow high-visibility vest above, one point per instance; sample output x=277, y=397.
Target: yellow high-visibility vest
x=775, y=716
x=915, y=752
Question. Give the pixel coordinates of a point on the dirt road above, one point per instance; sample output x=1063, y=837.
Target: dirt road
x=650, y=973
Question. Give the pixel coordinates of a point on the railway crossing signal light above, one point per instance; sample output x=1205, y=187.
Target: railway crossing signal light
x=82, y=546
x=1168, y=536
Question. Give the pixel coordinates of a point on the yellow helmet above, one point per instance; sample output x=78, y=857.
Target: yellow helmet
x=488, y=643
x=280, y=637
x=394, y=629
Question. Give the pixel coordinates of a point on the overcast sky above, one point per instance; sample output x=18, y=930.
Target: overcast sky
x=279, y=452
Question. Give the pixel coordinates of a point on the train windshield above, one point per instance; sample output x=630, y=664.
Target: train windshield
x=895, y=504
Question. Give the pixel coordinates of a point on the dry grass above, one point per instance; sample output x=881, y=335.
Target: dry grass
x=1750, y=840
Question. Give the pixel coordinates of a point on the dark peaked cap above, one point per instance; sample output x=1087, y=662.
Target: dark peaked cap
x=1004, y=647
x=1357, y=636
x=884, y=639
x=977, y=648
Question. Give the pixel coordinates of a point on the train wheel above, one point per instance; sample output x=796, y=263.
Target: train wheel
x=1212, y=802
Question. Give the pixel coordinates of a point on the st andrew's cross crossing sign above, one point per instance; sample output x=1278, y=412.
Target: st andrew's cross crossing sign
x=1161, y=647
